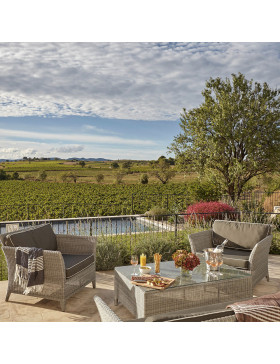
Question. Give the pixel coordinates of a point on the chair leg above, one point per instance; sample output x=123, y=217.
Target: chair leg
x=267, y=277
x=93, y=284
x=62, y=305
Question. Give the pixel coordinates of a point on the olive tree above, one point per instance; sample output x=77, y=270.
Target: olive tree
x=233, y=135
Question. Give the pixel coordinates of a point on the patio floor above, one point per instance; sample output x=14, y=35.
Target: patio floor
x=81, y=307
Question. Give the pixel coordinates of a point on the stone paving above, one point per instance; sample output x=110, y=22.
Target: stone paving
x=81, y=307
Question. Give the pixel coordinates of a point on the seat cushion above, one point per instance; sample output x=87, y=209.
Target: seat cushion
x=40, y=236
x=236, y=258
x=243, y=234
x=76, y=263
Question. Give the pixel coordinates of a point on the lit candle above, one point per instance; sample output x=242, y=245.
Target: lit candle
x=143, y=260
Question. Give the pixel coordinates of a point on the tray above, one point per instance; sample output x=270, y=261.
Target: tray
x=146, y=276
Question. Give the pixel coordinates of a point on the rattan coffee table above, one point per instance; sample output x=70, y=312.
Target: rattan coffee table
x=199, y=289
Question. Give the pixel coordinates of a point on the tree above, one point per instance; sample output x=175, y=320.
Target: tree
x=42, y=175
x=99, y=177
x=163, y=171
x=15, y=175
x=73, y=176
x=119, y=178
x=126, y=165
x=115, y=165
x=233, y=135
x=82, y=163
x=3, y=175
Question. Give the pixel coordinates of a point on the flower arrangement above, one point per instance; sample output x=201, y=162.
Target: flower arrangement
x=185, y=260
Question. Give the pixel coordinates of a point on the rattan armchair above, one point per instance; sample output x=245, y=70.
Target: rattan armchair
x=108, y=315
x=67, y=269
x=247, y=249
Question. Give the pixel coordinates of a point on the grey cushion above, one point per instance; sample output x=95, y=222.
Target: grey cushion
x=21, y=238
x=236, y=258
x=244, y=234
x=41, y=236
x=45, y=237
x=218, y=240
x=76, y=263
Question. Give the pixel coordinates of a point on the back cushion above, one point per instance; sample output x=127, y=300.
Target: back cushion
x=41, y=236
x=21, y=238
x=44, y=237
x=242, y=234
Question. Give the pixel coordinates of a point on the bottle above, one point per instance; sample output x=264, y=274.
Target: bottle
x=221, y=246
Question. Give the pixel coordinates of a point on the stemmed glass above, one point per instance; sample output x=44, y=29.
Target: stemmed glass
x=220, y=262
x=134, y=262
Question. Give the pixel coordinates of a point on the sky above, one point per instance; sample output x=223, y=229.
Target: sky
x=115, y=100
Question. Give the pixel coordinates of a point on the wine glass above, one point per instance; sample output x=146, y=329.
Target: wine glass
x=220, y=262
x=134, y=262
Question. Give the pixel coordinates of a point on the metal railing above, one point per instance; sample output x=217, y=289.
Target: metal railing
x=131, y=228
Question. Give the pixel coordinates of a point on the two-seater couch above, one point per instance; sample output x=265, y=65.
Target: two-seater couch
x=69, y=261
x=247, y=248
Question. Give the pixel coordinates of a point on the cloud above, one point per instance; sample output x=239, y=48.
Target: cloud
x=29, y=151
x=94, y=128
x=15, y=153
x=86, y=138
x=69, y=149
x=8, y=150
x=140, y=81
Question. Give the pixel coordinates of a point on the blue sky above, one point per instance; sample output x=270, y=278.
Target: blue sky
x=112, y=100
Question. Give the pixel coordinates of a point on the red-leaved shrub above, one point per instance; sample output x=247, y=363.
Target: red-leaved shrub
x=209, y=210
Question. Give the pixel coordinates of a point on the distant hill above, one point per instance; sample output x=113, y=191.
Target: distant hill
x=68, y=159
x=90, y=159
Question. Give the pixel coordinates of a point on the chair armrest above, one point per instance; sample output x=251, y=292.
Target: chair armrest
x=54, y=268
x=221, y=315
x=259, y=254
x=78, y=245
x=200, y=241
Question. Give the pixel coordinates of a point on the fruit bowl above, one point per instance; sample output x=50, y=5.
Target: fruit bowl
x=145, y=270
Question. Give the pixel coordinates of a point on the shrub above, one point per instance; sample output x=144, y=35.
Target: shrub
x=157, y=213
x=119, y=178
x=109, y=255
x=144, y=179
x=99, y=177
x=15, y=175
x=209, y=210
x=42, y=175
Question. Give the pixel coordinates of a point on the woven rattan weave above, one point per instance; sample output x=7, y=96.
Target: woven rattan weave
x=56, y=286
x=199, y=289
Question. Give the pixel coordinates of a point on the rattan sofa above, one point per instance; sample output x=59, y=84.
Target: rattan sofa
x=247, y=249
x=223, y=315
x=69, y=261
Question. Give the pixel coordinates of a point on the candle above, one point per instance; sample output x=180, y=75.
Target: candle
x=143, y=260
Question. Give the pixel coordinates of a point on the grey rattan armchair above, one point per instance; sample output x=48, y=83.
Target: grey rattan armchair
x=247, y=249
x=107, y=315
x=69, y=261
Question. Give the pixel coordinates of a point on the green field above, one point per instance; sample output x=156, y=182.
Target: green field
x=56, y=169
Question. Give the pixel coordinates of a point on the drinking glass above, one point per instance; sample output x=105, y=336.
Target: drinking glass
x=134, y=262
x=220, y=262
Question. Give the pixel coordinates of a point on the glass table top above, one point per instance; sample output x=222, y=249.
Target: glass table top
x=198, y=275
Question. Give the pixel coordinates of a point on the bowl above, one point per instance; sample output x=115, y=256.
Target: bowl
x=145, y=270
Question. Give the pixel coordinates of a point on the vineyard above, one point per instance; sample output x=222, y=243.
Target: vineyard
x=24, y=200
